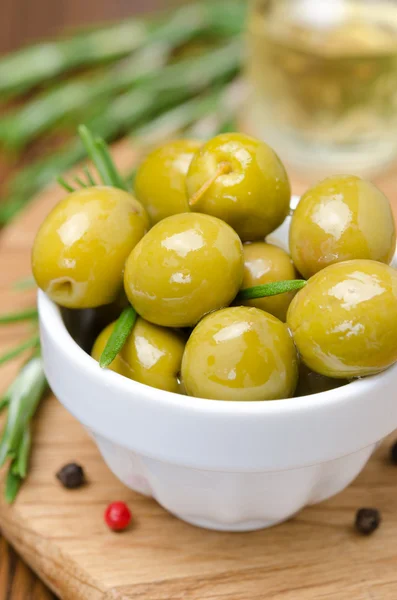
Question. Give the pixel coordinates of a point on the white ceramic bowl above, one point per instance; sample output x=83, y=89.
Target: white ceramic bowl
x=234, y=466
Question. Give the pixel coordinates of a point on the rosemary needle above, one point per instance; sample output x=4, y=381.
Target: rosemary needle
x=120, y=333
x=271, y=289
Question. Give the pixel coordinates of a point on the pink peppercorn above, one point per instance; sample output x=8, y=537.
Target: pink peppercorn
x=117, y=516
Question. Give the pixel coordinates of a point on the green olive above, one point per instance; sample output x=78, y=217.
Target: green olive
x=160, y=181
x=151, y=355
x=186, y=266
x=310, y=382
x=264, y=263
x=80, y=249
x=241, y=180
x=344, y=321
x=341, y=218
x=240, y=353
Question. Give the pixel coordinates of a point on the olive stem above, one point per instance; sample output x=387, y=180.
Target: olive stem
x=120, y=333
x=223, y=169
x=271, y=289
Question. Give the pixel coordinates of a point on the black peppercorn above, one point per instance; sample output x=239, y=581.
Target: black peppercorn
x=71, y=476
x=367, y=520
x=393, y=453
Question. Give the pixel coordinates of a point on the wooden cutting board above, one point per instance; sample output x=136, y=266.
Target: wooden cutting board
x=61, y=534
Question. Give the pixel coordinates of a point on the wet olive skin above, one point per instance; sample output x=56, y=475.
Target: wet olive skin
x=344, y=321
x=151, y=355
x=341, y=218
x=264, y=263
x=186, y=266
x=240, y=353
x=254, y=197
x=80, y=250
x=160, y=181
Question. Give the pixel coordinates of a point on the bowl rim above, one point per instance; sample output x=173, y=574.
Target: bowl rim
x=215, y=435
x=50, y=316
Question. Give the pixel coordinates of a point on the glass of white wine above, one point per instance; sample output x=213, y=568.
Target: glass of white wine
x=323, y=81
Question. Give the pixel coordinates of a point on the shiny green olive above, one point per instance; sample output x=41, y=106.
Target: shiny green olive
x=160, y=181
x=341, y=218
x=310, y=382
x=151, y=355
x=240, y=353
x=344, y=321
x=80, y=249
x=186, y=266
x=241, y=180
x=264, y=263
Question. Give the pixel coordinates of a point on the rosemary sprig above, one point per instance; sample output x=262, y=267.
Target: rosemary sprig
x=20, y=464
x=76, y=96
x=30, y=66
x=65, y=184
x=97, y=151
x=15, y=317
x=120, y=333
x=90, y=178
x=271, y=289
x=113, y=175
x=80, y=182
x=13, y=483
x=23, y=397
x=28, y=389
x=24, y=284
x=176, y=83
x=3, y=402
x=26, y=345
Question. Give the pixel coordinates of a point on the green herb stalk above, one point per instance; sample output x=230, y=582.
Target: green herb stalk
x=118, y=337
x=30, y=66
x=26, y=68
x=76, y=96
x=24, y=396
x=271, y=289
x=175, y=83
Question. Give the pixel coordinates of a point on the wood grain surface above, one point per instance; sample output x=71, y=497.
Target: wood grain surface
x=17, y=581
x=61, y=533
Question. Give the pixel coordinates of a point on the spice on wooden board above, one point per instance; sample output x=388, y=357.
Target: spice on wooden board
x=367, y=520
x=117, y=516
x=71, y=476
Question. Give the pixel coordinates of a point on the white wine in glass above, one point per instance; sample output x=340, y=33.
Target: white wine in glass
x=323, y=81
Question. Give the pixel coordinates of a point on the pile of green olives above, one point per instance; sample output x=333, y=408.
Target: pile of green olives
x=193, y=236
